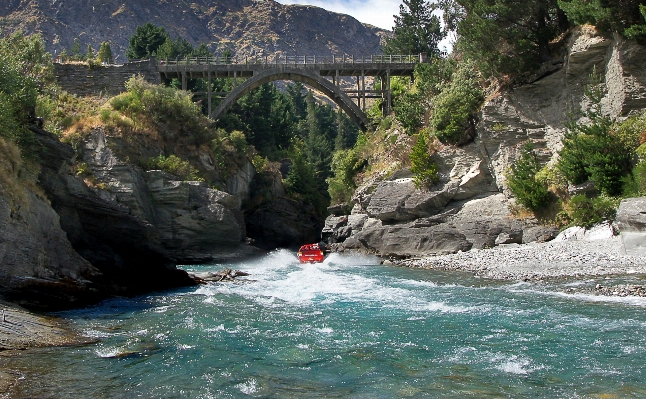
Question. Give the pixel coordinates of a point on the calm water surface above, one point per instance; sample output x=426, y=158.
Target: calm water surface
x=349, y=328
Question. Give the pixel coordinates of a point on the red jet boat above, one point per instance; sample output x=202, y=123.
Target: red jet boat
x=311, y=253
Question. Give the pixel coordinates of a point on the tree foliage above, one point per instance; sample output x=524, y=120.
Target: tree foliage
x=146, y=40
x=422, y=166
x=522, y=181
x=505, y=36
x=105, y=53
x=624, y=16
x=26, y=70
x=455, y=107
x=591, y=151
x=416, y=29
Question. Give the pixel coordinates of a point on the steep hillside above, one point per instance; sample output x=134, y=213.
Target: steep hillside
x=247, y=27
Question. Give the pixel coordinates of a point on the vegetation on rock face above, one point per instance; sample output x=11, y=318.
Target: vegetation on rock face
x=624, y=16
x=176, y=166
x=26, y=71
x=592, y=151
x=523, y=181
x=596, y=150
x=422, y=165
x=586, y=212
x=455, y=107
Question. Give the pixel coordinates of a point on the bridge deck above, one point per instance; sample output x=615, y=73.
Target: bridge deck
x=218, y=67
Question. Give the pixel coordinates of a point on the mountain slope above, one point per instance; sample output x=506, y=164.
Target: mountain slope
x=247, y=27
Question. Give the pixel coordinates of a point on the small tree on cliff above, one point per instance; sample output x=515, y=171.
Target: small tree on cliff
x=422, y=166
x=522, y=182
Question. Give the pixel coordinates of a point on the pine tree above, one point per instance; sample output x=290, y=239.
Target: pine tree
x=522, y=182
x=75, y=52
x=422, y=166
x=416, y=29
x=89, y=55
x=505, y=36
x=146, y=41
x=105, y=53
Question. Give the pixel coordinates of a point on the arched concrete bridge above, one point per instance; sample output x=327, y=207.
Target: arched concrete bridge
x=321, y=73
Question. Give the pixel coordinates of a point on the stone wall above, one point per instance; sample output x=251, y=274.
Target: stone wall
x=82, y=80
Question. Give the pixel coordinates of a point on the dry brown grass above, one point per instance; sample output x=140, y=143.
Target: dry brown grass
x=16, y=177
x=10, y=164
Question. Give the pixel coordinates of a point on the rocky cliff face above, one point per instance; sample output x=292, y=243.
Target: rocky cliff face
x=39, y=267
x=192, y=222
x=247, y=27
x=469, y=207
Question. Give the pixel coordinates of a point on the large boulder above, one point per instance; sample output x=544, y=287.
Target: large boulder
x=195, y=223
x=631, y=221
x=460, y=226
x=413, y=240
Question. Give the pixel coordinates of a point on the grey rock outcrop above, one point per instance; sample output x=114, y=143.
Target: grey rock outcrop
x=538, y=112
x=192, y=222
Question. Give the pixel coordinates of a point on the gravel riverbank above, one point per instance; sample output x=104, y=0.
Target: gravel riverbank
x=532, y=262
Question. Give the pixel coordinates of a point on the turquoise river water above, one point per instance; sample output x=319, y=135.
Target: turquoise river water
x=349, y=328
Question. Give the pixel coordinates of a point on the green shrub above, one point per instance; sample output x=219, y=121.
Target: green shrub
x=521, y=179
x=345, y=165
x=629, y=132
x=635, y=183
x=586, y=212
x=553, y=179
x=455, y=107
x=591, y=151
x=641, y=152
x=176, y=166
x=637, y=31
x=422, y=166
x=172, y=112
x=238, y=141
x=409, y=111
x=26, y=70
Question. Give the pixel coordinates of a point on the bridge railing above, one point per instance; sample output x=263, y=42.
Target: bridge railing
x=298, y=60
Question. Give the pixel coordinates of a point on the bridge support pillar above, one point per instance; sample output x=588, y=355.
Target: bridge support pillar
x=208, y=89
x=184, y=83
x=363, y=88
x=386, y=93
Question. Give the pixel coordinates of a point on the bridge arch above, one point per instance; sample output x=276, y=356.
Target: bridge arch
x=298, y=75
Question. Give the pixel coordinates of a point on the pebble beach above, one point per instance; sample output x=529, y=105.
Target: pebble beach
x=572, y=259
